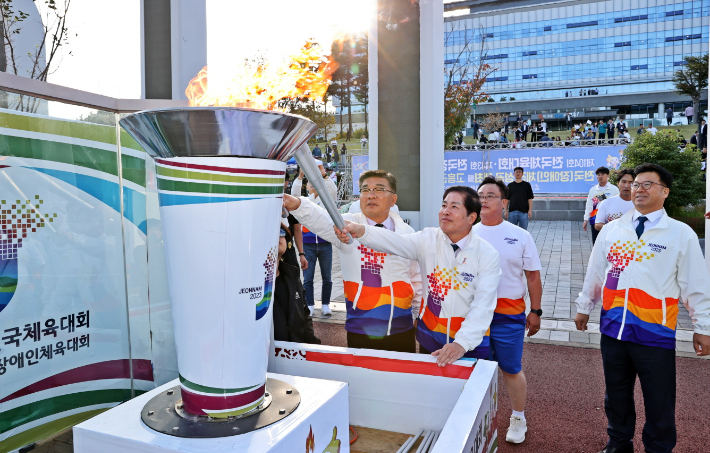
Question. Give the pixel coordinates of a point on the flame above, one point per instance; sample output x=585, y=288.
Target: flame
x=261, y=85
x=310, y=442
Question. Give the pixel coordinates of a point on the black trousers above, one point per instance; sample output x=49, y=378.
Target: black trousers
x=595, y=233
x=655, y=368
x=399, y=342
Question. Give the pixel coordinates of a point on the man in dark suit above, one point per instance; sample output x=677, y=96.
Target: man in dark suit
x=694, y=139
x=524, y=128
x=703, y=135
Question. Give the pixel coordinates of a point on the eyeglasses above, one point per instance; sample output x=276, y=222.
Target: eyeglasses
x=378, y=191
x=488, y=197
x=646, y=185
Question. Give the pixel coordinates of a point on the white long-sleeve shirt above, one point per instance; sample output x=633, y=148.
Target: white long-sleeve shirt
x=459, y=294
x=640, y=281
x=382, y=292
x=596, y=195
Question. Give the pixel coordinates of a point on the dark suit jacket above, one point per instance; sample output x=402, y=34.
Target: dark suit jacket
x=704, y=130
x=694, y=140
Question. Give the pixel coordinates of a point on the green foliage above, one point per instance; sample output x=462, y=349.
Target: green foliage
x=662, y=149
x=692, y=80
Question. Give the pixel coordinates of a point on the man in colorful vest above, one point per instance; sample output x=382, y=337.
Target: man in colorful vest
x=520, y=266
x=597, y=194
x=641, y=266
x=382, y=292
x=462, y=275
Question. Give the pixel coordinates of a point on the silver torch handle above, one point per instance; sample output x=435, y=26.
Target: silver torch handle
x=310, y=169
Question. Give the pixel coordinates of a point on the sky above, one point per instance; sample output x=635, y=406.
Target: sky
x=104, y=37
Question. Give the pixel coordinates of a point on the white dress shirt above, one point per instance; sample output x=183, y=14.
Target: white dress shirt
x=653, y=218
x=388, y=223
x=462, y=243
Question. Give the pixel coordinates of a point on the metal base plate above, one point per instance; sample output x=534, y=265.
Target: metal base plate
x=160, y=414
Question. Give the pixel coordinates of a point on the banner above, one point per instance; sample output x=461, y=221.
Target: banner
x=360, y=165
x=548, y=170
x=75, y=314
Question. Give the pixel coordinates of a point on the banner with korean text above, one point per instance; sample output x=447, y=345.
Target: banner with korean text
x=360, y=166
x=548, y=170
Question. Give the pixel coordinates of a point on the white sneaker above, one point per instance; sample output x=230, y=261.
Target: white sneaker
x=310, y=310
x=325, y=309
x=516, y=431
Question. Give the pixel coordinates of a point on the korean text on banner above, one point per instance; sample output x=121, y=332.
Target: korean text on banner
x=553, y=170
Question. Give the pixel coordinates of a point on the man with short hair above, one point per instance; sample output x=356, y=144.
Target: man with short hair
x=568, y=118
x=615, y=207
x=520, y=267
x=597, y=194
x=519, y=210
x=669, y=116
x=317, y=152
x=689, y=112
x=382, y=292
x=703, y=135
x=462, y=275
x=641, y=267
x=652, y=129
x=640, y=130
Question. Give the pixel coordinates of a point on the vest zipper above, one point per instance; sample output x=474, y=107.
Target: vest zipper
x=389, y=326
x=357, y=294
x=623, y=318
x=448, y=329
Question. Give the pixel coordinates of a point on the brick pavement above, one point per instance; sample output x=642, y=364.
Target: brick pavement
x=564, y=250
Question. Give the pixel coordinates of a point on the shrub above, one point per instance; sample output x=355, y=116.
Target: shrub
x=662, y=149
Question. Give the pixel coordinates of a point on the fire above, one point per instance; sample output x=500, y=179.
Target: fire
x=261, y=85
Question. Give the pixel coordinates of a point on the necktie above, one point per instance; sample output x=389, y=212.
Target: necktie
x=455, y=247
x=379, y=225
x=639, y=228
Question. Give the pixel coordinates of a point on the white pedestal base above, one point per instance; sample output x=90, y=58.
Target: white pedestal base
x=323, y=414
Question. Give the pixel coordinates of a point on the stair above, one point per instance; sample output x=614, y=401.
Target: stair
x=559, y=207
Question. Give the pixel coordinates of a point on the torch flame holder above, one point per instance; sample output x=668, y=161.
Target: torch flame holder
x=164, y=414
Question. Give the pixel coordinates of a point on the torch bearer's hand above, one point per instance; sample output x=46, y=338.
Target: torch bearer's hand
x=291, y=203
x=355, y=229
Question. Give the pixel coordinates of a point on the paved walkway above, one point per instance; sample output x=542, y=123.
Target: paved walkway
x=564, y=250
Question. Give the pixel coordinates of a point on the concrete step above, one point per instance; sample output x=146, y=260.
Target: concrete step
x=569, y=207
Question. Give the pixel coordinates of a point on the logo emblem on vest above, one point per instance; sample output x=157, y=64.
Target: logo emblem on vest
x=656, y=248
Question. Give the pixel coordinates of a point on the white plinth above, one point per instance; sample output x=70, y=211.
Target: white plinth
x=323, y=410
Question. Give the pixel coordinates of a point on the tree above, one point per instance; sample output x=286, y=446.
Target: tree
x=492, y=122
x=46, y=54
x=343, y=52
x=361, y=89
x=312, y=109
x=662, y=149
x=692, y=80
x=466, y=73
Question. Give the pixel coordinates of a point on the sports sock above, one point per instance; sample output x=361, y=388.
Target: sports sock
x=520, y=414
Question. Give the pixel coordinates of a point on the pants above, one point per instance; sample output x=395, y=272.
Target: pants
x=595, y=233
x=399, y=342
x=655, y=367
x=322, y=252
x=518, y=218
x=525, y=136
x=569, y=125
x=602, y=135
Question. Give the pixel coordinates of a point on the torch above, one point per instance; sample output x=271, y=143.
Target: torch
x=220, y=175
x=310, y=169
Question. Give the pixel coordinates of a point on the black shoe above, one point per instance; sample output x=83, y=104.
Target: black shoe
x=608, y=449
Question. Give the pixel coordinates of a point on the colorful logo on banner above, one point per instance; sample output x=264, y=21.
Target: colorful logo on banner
x=269, y=267
x=16, y=222
x=361, y=164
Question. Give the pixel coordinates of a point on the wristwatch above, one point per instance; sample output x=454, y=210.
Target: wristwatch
x=537, y=312
x=301, y=254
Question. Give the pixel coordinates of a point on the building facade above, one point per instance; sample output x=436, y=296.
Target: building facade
x=595, y=59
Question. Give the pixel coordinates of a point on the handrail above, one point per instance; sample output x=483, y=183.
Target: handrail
x=578, y=143
x=59, y=93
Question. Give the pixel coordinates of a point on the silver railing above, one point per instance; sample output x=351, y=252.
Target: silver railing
x=565, y=143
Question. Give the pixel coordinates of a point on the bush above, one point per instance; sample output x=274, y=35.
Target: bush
x=662, y=149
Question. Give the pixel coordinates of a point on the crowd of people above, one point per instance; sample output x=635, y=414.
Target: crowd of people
x=495, y=264
x=529, y=133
